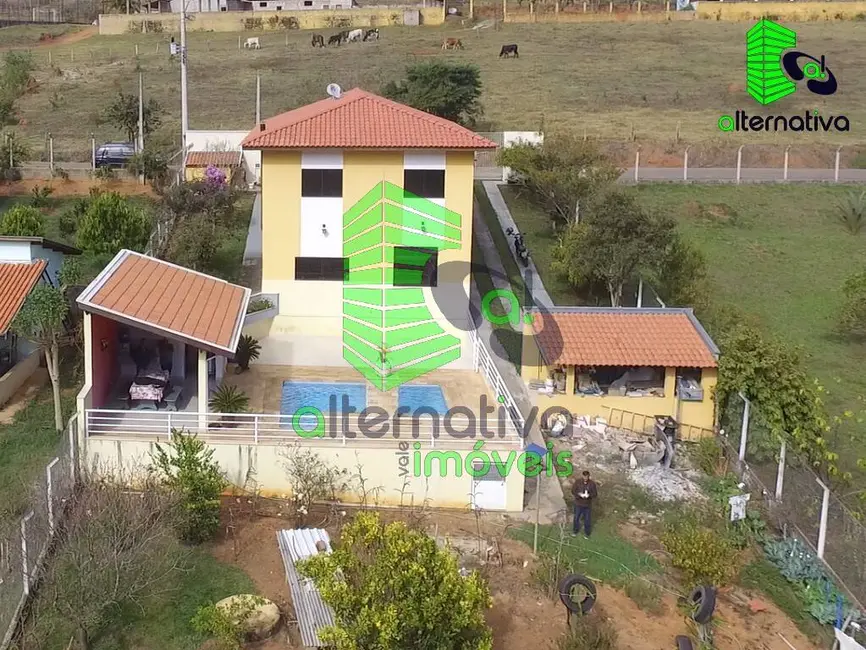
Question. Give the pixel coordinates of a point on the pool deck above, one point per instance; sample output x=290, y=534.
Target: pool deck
x=264, y=385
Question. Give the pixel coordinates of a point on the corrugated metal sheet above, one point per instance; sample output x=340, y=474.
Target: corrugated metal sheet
x=311, y=611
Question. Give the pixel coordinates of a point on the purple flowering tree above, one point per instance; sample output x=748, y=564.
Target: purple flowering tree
x=215, y=176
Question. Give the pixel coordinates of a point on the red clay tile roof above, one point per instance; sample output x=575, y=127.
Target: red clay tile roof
x=215, y=158
x=628, y=337
x=145, y=291
x=362, y=120
x=16, y=281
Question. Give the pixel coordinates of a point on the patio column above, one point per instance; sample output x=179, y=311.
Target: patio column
x=570, y=378
x=202, y=391
x=220, y=368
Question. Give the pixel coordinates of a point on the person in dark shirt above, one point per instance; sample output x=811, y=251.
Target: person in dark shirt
x=584, y=491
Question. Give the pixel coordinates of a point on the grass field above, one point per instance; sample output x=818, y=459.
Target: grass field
x=602, y=77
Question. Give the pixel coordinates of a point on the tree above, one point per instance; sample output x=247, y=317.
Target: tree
x=563, y=173
x=150, y=164
x=123, y=113
x=22, y=221
x=312, y=478
x=852, y=315
x=449, y=90
x=186, y=466
x=680, y=275
x=115, y=549
x=392, y=587
x=41, y=320
x=201, y=216
x=615, y=241
x=111, y=223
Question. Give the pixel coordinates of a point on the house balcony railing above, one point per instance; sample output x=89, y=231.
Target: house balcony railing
x=276, y=429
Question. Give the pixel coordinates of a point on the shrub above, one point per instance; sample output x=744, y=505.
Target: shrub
x=22, y=221
x=646, y=595
x=228, y=399
x=41, y=196
x=248, y=350
x=704, y=556
x=186, y=466
x=111, y=223
x=72, y=216
x=225, y=625
x=851, y=212
x=104, y=174
x=589, y=633
x=259, y=304
x=708, y=456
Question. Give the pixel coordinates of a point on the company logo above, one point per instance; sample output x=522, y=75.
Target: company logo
x=773, y=70
x=391, y=244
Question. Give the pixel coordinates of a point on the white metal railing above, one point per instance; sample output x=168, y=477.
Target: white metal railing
x=274, y=428
x=483, y=361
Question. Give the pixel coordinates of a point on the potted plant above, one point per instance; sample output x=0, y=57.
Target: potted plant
x=229, y=399
x=248, y=350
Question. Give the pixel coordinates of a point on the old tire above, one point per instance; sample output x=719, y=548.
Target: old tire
x=568, y=583
x=703, y=600
x=684, y=643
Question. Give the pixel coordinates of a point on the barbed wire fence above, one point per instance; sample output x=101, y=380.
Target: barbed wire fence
x=794, y=498
x=25, y=540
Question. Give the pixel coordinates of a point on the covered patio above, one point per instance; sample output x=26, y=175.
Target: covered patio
x=157, y=338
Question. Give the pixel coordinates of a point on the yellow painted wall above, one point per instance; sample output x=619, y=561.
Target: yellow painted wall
x=240, y=21
x=197, y=173
x=316, y=308
x=379, y=467
x=695, y=414
x=790, y=11
x=17, y=375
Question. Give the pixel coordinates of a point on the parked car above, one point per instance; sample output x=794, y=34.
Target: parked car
x=114, y=154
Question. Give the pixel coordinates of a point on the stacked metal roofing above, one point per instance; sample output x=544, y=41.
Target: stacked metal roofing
x=311, y=611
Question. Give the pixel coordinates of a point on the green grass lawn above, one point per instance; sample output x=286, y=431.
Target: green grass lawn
x=647, y=76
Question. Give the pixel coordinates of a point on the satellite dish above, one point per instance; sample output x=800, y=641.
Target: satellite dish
x=334, y=91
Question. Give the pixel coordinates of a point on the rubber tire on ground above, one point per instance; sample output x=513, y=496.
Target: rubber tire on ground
x=703, y=598
x=572, y=580
x=684, y=643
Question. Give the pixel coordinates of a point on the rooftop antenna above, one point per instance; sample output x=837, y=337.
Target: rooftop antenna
x=334, y=91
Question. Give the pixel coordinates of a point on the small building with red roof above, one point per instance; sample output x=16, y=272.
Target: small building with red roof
x=627, y=365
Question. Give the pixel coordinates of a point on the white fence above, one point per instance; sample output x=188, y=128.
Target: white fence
x=24, y=543
x=277, y=429
x=483, y=362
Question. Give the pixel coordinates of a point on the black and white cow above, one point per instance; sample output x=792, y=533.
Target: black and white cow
x=509, y=50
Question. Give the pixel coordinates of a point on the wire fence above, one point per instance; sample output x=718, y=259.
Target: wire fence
x=794, y=498
x=22, y=12
x=25, y=540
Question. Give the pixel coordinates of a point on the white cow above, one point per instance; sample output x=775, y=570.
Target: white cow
x=355, y=36
x=253, y=43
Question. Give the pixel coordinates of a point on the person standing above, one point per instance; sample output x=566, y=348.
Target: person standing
x=584, y=491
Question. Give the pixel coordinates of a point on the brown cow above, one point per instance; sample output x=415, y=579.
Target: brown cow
x=452, y=44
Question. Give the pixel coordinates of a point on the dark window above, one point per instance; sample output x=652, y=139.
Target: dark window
x=429, y=183
x=320, y=268
x=308, y=3
x=415, y=267
x=322, y=182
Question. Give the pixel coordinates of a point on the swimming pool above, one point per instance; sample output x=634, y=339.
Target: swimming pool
x=415, y=396
x=319, y=395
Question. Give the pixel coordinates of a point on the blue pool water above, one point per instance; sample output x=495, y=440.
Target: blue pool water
x=414, y=396
x=319, y=395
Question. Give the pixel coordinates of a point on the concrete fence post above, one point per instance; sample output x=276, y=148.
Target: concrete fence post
x=49, y=488
x=610, y=8
x=636, y=165
x=836, y=167
x=739, y=162
x=92, y=151
x=25, y=561
x=136, y=49
x=49, y=57
x=638, y=6
x=72, y=55
x=780, y=473
x=686, y=164
x=822, y=530
x=785, y=168
x=51, y=152
x=744, y=430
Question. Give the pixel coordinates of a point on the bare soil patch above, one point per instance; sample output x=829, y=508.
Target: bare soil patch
x=73, y=187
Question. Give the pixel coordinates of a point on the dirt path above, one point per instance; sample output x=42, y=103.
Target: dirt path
x=73, y=188
x=51, y=41
x=23, y=396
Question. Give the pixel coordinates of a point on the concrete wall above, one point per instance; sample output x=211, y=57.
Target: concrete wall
x=308, y=329
x=244, y=21
x=380, y=467
x=20, y=372
x=790, y=11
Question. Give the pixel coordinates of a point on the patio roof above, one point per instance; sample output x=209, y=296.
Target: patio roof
x=167, y=299
x=45, y=243
x=623, y=336
x=17, y=279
